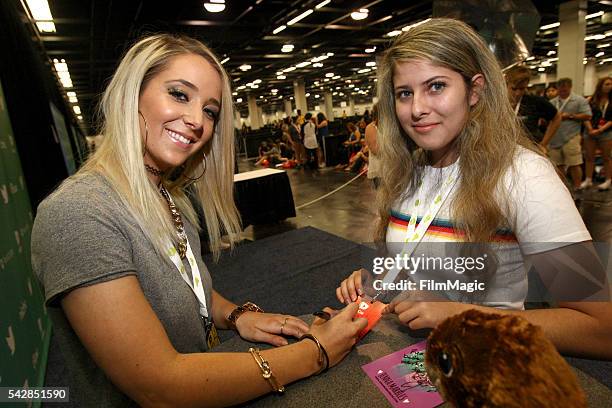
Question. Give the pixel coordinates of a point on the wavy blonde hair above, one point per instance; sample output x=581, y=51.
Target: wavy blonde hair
x=486, y=145
x=120, y=156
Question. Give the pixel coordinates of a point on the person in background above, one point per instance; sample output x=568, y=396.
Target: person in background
x=551, y=92
x=322, y=133
x=116, y=249
x=530, y=109
x=598, y=134
x=564, y=147
x=310, y=141
x=370, y=140
x=460, y=173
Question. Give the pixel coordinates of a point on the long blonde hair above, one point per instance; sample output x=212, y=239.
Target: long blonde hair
x=486, y=145
x=120, y=156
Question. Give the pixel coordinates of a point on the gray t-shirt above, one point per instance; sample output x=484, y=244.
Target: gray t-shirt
x=83, y=235
x=568, y=128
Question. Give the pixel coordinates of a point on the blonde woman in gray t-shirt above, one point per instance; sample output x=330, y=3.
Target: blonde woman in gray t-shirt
x=117, y=251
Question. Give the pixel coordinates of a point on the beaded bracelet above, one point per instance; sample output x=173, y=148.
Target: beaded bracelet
x=266, y=371
x=322, y=353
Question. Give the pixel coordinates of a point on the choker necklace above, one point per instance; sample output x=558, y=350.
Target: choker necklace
x=154, y=171
x=178, y=222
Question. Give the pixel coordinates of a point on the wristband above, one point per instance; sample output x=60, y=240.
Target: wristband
x=266, y=371
x=238, y=311
x=323, y=357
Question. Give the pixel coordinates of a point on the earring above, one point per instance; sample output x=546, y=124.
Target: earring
x=203, y=171
x=146, y=133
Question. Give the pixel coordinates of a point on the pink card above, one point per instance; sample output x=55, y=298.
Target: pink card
x=402, y=384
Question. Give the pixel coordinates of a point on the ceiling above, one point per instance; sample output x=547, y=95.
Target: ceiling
x=91, y=35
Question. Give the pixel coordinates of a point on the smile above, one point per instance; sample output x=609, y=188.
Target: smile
x=178, y=138
x=424, y=128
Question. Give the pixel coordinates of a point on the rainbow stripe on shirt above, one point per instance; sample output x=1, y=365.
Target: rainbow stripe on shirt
x=443, y=229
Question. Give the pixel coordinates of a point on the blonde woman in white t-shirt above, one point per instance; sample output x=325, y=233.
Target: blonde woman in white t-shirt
x=458, y=167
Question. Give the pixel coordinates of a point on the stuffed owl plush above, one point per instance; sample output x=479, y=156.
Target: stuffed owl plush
x=478, y=359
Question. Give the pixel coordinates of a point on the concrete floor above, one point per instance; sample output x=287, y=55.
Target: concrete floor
x=350, y=212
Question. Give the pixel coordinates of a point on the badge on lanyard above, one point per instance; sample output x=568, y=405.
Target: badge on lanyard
x=210, y=330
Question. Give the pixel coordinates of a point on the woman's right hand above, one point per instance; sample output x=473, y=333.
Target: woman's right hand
x=350, y=288
x=339, y=334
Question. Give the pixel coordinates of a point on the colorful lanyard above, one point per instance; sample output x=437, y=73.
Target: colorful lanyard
x=195, y=283
x=414, y=235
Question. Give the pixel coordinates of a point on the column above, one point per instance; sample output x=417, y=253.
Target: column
x=329, y=106
x=571, y=43
x=590, y=78
x=237, y=121
x=299, y=94
x=254, y=115
x=351, y=106
x=288, y=108
x=261, y=116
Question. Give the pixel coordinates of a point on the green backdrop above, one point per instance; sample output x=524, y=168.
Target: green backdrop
x=24, y=326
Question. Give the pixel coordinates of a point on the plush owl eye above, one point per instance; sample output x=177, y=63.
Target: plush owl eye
x=445, y=364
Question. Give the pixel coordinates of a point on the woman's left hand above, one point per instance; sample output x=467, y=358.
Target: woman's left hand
x=424, y=315
x=269, y=328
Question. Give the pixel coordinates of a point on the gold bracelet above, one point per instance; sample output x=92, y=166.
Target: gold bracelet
x=266, y=371
x=323, y=357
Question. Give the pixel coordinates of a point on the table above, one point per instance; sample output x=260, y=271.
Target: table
x=263, y=196
x=347, y=385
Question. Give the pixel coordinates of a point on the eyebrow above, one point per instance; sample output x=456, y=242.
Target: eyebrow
x=195, y=88
x=433, y=78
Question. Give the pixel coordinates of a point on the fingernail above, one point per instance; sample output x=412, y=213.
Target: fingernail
x=284, y=343
x=360, y=291
x=353, y=298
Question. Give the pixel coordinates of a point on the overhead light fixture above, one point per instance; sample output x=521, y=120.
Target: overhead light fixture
x=79, y=117
x=287, y=48
x=317, y=65
x=239, y=100
x=279, y=29
x=244, y=67
x=363, y=71
x=303, y=64
x=594, y=37
x=599, y=54
x=215, y=6
x=408, y=27
x=42, y=15
x=394, y=33
x=370, y=50
x=530, y=58
x=62, y=72
x=224, y=60
x=598, y=14
x=603, y=45
x=552, y=52
x=360, y=15
x=370, y=64
x=289, y=69
x=257, y=81
x=77, y=109
x=549, y=26
x=322, y=4
x=329, y=74
x=281, y=77
x=298, y=18
x=541, y=69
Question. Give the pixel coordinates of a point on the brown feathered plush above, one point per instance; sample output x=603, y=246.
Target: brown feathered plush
x=478, y=359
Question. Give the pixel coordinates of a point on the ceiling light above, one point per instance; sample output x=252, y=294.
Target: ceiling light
x=73, y=99
x=42, y=15
x=594, y=37
x=77, y=109
x=599, y=13
x=307, y=94
x=552, y=52
x=330, y=54
x=244, y=67
x=239, y=100
x=274, y=90
x=599, y=54
x=298, y=18
x=322, y=4
x=79, y=117
x=281, y=77
x=547, y=26
x=363, y=71
x=394, y=33
x=317, y=65
x=530, y=58
x=287, y=48
x=370, y=64
x=603, y=45
x=303, y=64
x=279, y=29
x=257, y=81
x=408, y=27
x=224, y=60
x=215, y=6
x=241, y=87
x=370, y=50
x=289, y=69
x=329, y=74
x=541, y=69
x=360, y=15
x=336, y=77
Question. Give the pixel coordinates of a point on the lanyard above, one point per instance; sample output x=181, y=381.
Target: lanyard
x=196, y=282
x=603, y=111
x=560, y=109
x=414, y=235
x=518, y=106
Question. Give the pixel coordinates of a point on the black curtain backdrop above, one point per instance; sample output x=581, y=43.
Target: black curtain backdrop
x=29, y=85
